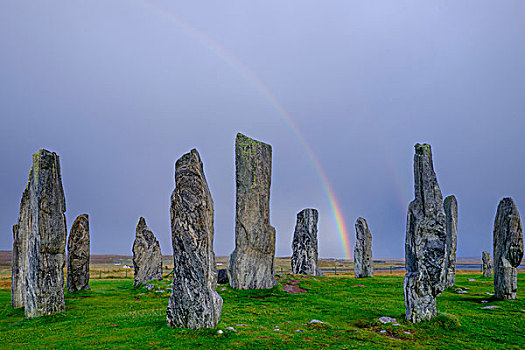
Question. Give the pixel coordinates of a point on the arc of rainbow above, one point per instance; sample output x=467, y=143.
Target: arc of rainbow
x=250, y=77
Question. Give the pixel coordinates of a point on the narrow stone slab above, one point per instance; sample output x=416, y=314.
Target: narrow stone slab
x=304, y=244
x=363, y=262
x=194, y=302
x=508, y=249
x=451, y=212
x=19, y=255
x=426, y=241
x=251, y=265
x=46, y=237
x=487, y=264
x=147, y=258
x=78, y=255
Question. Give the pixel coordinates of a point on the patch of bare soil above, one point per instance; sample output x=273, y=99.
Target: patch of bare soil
x=293, y=289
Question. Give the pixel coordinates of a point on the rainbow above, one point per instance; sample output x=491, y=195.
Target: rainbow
x=250, y=77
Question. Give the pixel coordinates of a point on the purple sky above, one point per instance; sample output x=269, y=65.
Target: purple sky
x=121, y=89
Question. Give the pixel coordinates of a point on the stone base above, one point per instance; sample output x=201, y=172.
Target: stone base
x=419, y=301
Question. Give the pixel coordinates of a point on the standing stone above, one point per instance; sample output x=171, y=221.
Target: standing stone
x=451, y=212
x=508, y=249
x=78, y=255
x=19, y=255
x=426, y=241
x=304, y=245
x=40, y=240
x=251, y=265
x=194, y=302
x=487, y=264
x=222, y=276
x=147, y=259
x=363, y=263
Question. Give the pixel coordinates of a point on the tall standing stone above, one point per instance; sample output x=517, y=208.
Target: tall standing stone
x=194, y=302
x=147, y=258
x=508, y=249
x=19, y=253
x=251, y=264
x=487, y=264
x=451, y=212
x=40, y=239
x=304, y=245
x=363, y=263
x=78, y=255
x=426, y=241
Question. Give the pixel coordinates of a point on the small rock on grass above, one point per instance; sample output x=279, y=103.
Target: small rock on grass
x=316, y=321
x=220, y=331
x=386, y=319
x=382, y=331
x=484, y=301
x=471, y=279
x=231, y=329
x=490, y=307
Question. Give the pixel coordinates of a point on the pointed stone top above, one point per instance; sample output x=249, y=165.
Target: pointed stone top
x=141, y=224
x=86, y=216
x=361, y=227
x=43, y=153
x=423, y=149
x=80, y=219
x=450, y=198
x=243, y=140
x=46, y=158
x=507, y=207
x=308, y=210
x=189, y=159
x=144, y=232
x=451, y=201
x=507, y=202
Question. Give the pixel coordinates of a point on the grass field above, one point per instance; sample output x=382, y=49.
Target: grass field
x=115, y=315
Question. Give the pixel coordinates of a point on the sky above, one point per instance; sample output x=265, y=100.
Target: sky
x=342, y=90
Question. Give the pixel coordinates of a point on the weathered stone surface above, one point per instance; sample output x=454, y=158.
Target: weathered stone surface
x=487, y=264
x=40, y=240
x=251, y=265
x=425, y=244
x=222, y=276
x=19, y=257
x=194, y=302
x=147, y=258
x=508, y=249
x=304, y=245
x=363, y=263
x=451, y=212
x=78, y=255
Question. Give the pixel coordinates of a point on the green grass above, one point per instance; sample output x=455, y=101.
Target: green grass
x=110, y=316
